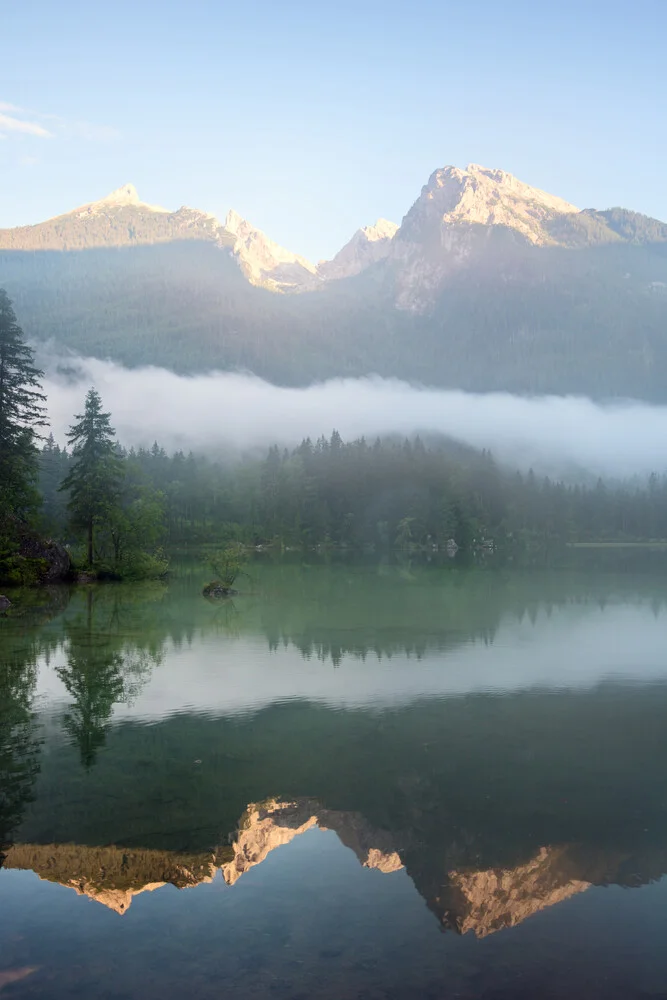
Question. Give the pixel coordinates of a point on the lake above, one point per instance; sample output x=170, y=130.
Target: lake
x=355, y=779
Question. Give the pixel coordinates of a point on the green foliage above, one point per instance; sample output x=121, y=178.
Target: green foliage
x=21, y=414
x=634, y=227
x=392, y=493
x=227, y=564
x=54, y=465
x=127, y=225
x=93, y=481
x=16, y=569
x=121, y=513
x=140, y=565
x=130, y=538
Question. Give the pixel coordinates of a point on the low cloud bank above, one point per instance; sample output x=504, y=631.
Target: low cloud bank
x=219, y=410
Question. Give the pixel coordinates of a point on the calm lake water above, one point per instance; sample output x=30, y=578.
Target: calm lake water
x=353, y=780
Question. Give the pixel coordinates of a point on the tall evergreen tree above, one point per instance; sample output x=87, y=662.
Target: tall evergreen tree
x=22, y=412
x=93, y=482
x=53, y=467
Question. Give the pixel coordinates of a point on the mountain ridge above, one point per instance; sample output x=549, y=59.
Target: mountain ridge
x=468, y=899
x=488, y=284
x=452, y=199
x=119, y=198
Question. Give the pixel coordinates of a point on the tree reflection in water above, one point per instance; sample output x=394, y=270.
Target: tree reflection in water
x=22, y=643
x=102, y=670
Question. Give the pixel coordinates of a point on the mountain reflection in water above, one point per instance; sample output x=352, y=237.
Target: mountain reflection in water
x=481, y=901
x=497, y=739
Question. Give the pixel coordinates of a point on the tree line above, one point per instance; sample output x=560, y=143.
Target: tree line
x=115, y=507
x=387, y=494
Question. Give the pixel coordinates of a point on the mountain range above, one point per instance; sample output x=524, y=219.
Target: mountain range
x=486, y=284
x=469, y=899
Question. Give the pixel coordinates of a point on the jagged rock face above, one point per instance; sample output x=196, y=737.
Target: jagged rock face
x=463, y=899
x=480, y=196
x=114, y=876
x=462, y=218
x=368, y=246
x=262, y=830
x=452, y=225
x=273, y=824
x=266, y=263
x=487, y=901
x=118, y=900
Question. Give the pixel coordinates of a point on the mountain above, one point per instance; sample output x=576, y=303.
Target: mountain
x=264, y=262
x=476, y=900
x=117, y=220
x=114, y=876
x=487, y=284
x=111, y=875
x=482, y=197
x=121, y=219
x=458, y=213
x=122, y=197
x=464, y=217
x=368, y=246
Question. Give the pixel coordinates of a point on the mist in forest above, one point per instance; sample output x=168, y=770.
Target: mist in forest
x=223, y=411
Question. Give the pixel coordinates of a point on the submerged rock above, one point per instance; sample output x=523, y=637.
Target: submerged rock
x=5, y=604
x=217, y=591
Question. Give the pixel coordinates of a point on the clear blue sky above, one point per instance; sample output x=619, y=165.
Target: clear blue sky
x=312, y=119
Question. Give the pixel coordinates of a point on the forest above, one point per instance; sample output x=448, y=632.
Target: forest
x=389, y=493
x=104, y=510
x=588, y=320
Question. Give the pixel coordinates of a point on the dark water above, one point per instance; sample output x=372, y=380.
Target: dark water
x=351, y=781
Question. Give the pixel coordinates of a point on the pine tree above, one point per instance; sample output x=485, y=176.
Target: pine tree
x=53, y=467
x=21, y=413
x=93, y=482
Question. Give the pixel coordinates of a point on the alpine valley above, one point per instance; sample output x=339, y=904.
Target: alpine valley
x=487, y=284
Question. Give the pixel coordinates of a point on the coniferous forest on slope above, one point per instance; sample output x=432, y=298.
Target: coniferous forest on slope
x=588, y=320
x=116, y=508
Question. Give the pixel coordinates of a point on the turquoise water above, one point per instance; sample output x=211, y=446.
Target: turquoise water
x=353, y=780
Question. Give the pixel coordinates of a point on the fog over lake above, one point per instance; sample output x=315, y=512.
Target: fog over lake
x=223, y=410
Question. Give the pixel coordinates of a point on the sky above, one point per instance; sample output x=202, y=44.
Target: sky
x=312, y=119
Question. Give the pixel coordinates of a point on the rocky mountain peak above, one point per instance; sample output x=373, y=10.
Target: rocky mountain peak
x=456, y=215
x=235, y=223
x=123, y=197
x=126, y=195
x=368, y=245
x=483, y=196
x=274, y=823
x=486, y=901
x=382, y=229
x=264, y=262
